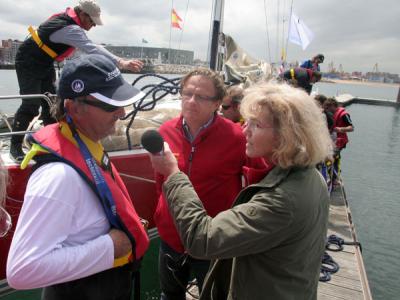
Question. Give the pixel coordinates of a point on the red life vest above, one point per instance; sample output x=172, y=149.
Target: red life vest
x=70, y=12
x=342, y=138
x=51, y=139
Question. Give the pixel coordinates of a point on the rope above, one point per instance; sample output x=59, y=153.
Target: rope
x=336, y=243
x=156, y=91
x=329, y=266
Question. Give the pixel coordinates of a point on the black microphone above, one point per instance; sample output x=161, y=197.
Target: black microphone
x=152, y=141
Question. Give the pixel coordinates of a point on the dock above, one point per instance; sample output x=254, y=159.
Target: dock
x=350, y=282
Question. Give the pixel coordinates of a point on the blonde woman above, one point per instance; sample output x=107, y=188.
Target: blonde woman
x=270, y=243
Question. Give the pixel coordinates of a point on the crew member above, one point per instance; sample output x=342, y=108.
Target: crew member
x=341, y=125
x=78, y=234
x=54, y=40
x=313, y=63
x=230, y=107
x=301, y=77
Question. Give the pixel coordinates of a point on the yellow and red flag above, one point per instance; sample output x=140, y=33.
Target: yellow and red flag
x=175, y=19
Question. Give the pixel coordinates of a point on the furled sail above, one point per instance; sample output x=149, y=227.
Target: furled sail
x=240, y=67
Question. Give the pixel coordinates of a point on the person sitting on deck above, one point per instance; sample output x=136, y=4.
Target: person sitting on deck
x=54, y=40
x=341, y=125
x=313, y=64
x=302, y=78
x=78, y=234
x=230, y=107
x=269, y=245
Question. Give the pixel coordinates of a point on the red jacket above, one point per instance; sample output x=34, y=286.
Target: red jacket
x=342, y=138
x=213, y=163
x=51, y=139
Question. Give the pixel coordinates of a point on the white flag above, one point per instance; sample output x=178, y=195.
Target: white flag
x=299, y=33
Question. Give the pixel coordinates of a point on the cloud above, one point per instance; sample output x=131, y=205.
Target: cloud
x=356, y=33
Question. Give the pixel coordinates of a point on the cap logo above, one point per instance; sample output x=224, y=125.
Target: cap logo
x=111, y=75
x=77, y=85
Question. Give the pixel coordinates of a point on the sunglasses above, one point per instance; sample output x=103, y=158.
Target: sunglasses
x=103, y=106
x=226, y=106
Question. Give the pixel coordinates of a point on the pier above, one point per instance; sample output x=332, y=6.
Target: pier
x=350, y=282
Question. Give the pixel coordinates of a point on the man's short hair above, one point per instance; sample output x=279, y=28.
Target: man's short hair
x=217, y=80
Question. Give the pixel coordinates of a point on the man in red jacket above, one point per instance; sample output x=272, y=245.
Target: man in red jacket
x=211, y=151
x=341, y=125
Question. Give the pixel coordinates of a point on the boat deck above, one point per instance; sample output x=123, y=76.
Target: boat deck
x=350, y=282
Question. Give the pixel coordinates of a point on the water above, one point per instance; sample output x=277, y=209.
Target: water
x=9, y=86
x=371, y=172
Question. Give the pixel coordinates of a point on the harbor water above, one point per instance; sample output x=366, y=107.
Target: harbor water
x=370, y=171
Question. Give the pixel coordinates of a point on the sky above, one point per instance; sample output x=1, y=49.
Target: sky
x=356, y=34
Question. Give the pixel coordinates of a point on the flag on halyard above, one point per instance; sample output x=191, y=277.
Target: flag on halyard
x=299, y=33
x=144, y=41
x=175, y=19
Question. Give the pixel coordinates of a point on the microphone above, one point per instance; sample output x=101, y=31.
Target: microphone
x=152, y=141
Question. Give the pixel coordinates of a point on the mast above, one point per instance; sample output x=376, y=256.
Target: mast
x=216, y=30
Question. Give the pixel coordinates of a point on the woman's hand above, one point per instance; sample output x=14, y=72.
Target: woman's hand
x=165, y=163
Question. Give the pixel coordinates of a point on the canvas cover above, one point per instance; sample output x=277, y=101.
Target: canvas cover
x=241, y=67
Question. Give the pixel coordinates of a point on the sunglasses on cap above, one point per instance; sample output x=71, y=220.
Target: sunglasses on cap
x=102, y=105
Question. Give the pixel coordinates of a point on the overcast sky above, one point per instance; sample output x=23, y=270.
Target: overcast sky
x=354, y=33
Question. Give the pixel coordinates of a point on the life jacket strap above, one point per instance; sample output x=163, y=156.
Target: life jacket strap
x=292, y=74
x=40, y=44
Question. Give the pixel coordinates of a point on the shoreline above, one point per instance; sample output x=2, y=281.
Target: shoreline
x=369, y=83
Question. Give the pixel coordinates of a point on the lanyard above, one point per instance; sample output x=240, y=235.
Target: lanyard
x=103, y=190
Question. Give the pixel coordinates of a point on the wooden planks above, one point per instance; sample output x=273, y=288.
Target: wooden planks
x=350, y=282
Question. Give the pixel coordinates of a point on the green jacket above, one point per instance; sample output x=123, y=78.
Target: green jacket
x=269, y=245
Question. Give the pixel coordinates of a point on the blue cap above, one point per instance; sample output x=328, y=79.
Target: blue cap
x=96, y=75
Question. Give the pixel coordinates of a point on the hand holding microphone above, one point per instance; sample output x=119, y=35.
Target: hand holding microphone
x=162, y=159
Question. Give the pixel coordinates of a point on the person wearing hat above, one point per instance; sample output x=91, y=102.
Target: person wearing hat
x=78, y=234
x=54, y=40
x=313, y=64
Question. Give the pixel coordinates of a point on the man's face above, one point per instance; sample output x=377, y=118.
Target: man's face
x=92, y=118
x=230, y=110
x=198, y=101
x=86, y=20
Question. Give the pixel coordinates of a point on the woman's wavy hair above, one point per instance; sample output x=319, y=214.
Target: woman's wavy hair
x=303, y=138
x=210, y=74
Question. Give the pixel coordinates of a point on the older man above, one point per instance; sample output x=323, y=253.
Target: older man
x=54, y=40
x=211, y=151
x=78, y=234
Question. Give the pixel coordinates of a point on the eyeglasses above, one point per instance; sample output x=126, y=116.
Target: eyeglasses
x=226, y=106
x=188, y=95
x=102, y=105
x=254, y=124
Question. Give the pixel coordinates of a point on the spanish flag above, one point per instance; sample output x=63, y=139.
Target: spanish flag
x=175, y=19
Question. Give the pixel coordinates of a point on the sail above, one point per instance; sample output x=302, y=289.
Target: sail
x=241, y=67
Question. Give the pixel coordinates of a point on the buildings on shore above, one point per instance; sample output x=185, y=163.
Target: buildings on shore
x=155, y=59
